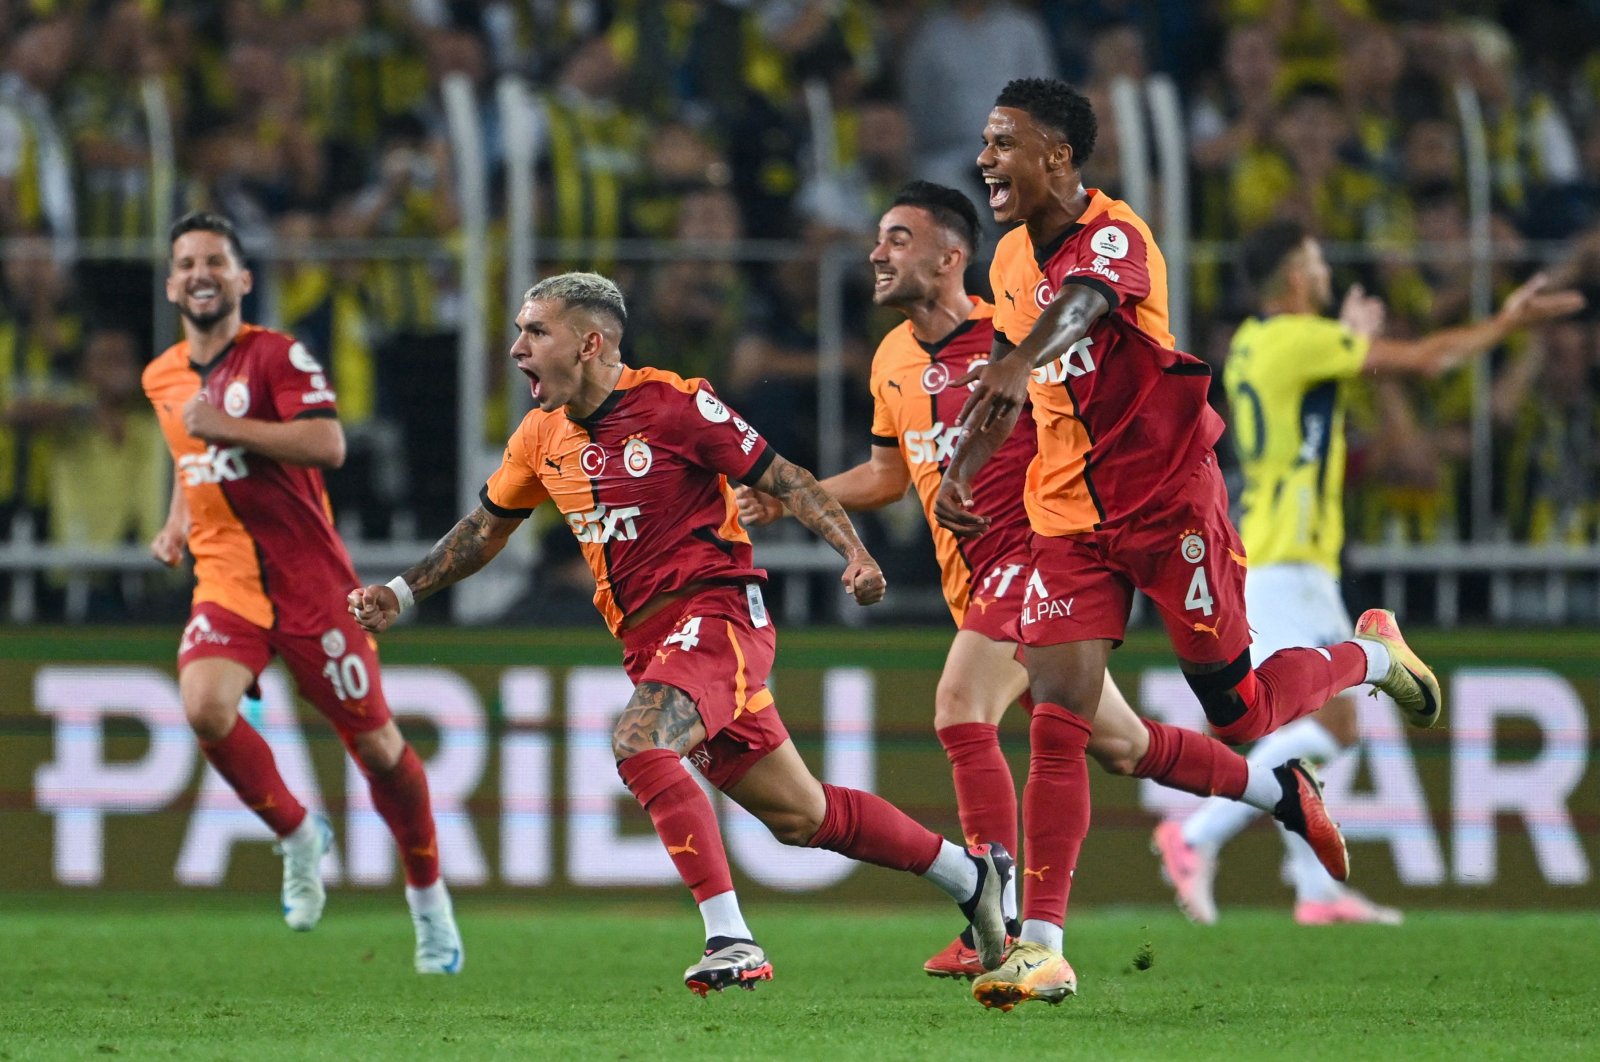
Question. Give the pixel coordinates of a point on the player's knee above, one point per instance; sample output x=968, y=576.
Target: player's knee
x=792, y=826
x=631, y=736
x=1115, y=754
x=377, y=750
x=1219, y=695
x=210, y=717
x=1081, y=696
x=957, y=702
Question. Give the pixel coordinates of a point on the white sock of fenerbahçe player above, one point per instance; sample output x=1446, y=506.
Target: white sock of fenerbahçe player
x=1218, y=820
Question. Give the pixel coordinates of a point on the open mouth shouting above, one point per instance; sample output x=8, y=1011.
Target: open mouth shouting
x=999, y=190
x=533, y=381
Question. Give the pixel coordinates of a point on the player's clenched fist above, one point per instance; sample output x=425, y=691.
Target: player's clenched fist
x=203, y=420
x=167, y=546
x=374, y=607
x=864, y=580
x=756, y=508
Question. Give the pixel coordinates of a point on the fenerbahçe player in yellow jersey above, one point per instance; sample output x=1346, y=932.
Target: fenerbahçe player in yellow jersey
x=1288, y=378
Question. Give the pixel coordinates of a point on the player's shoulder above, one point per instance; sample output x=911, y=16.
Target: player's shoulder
x=897, y=349
x=650, y=379
x=270, y=345
x=167, y=368
x=672, y=396
x=1014, y=248
x=1295, y=332
x=1112, y=228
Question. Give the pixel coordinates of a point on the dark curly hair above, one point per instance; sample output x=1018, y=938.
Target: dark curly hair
x=1057, y=105
x=202, y=221
x=947, y=206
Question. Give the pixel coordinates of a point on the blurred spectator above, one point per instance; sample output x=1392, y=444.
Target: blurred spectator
x=1547, y=408
x=1531, y=145
x=1115, y=52
x=104, y=115
x=874, y=163
x=35, y=166
x=1374, y=62
x=773, y=377
x=592, y=150
x=690, y=316
x=108, y=467
x=408, y=310
x=679, y=161
x=1306, y=172
x=324, y=303
x=40, y=328
x=261, y=158
x=954, y=67
x=1234, y=116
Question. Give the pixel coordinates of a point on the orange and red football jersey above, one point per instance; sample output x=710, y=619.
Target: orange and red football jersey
x=915, y=409
x=1121, y=410
x=261, y=532
x=643, y=485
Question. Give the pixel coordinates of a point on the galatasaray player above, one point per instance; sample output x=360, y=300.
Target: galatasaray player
x=1288, y=375
x=924, y=243
x=639, y=461
x=251, y=423
x=1124, y=494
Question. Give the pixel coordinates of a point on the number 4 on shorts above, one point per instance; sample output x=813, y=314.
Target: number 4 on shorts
x=687, y=635
x=1199, y=595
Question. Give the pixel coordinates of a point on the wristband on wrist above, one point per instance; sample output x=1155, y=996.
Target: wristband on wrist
x=402, y=591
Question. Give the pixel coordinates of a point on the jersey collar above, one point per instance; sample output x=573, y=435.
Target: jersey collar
x=1099, y=203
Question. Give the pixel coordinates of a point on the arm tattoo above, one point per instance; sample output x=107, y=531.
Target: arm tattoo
x=814, y=507
x=464, y=549
x=658, y=716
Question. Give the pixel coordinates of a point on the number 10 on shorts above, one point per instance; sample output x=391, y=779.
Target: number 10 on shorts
x=348, y=677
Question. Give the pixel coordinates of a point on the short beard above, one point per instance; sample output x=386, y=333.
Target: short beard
x=205, y=322
x=899, y=297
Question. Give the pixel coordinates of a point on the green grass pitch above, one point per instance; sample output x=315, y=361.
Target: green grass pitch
x=220, y=977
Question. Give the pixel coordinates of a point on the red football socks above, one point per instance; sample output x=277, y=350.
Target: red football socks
x=1194, y=763
x=986, y=797
x=401, y=796
x=1291, y=683
x=869, y=828
x=1055, y=810
x=245, y=761
x=684, y=819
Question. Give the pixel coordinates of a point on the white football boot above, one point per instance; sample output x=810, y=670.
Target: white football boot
x=439, y=948
x=303, y=894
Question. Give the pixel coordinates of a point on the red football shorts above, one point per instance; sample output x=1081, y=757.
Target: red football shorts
x=337, y=670
x=1183, y=553
x=717, y=646
x=995, y=603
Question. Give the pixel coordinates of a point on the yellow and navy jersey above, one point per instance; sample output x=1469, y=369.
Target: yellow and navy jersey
x=1287, y=379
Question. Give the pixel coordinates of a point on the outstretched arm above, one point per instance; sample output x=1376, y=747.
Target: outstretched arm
x=1439, y=351
x=869, y=485
x=822, y=514
x=467, y=547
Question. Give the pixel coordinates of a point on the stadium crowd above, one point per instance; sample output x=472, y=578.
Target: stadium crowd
x=322, y=125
